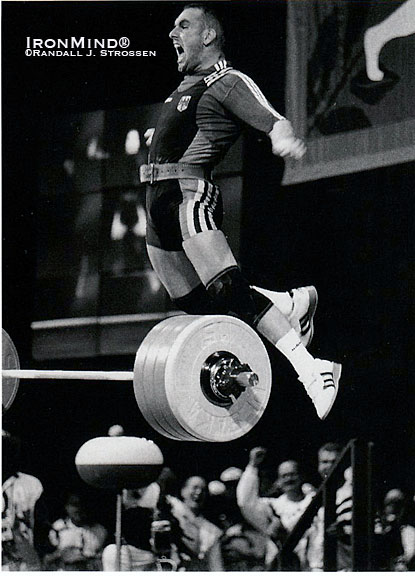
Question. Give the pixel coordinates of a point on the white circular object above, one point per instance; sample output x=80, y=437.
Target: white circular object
x=119, y=462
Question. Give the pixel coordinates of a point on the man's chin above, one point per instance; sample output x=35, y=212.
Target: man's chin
x=181, y=65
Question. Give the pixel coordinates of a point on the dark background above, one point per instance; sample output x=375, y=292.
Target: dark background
x=351, y=236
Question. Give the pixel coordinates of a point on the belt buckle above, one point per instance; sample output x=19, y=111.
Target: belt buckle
x=151, y=173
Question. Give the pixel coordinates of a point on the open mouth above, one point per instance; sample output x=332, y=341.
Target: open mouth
x=179, y=51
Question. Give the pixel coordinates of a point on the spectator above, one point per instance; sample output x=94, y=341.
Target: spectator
x=327, y=456
x=342, y=527
x=136, y=553
x=274, y=517
x=138, y=549
x=223, y=507
x=77, y=540
x=200, y=537
x=21, y=511
x=243, y=548
x=397, y=535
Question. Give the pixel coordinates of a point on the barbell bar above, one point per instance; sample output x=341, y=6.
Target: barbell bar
x=196, y=378
x=68, y=375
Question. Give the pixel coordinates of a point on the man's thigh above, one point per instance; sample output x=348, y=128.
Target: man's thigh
x=175, y=271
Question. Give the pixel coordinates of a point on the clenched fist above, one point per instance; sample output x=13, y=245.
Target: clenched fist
x=284, y=141
x=257, y=456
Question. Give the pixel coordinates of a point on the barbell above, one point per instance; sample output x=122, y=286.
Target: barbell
x=196, y=378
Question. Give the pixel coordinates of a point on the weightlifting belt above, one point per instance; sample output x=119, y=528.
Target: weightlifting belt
x=155, y=172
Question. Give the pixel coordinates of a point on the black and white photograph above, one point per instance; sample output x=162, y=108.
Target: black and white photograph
x=214, y=378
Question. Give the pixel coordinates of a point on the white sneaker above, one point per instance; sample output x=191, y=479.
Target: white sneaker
x=323, y=386
x=304, y=307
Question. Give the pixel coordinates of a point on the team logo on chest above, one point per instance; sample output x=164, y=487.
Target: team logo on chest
x=183, y=103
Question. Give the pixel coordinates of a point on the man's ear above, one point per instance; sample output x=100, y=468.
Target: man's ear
x=209, y=35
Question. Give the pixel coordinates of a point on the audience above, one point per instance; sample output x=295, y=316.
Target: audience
x=136, y=554
x=243, y=548
x=274, y=517
x=235, y=523
x=201, y=538
x=327, y=456
x=23, y=511
x=397, y=535
x=76, y=539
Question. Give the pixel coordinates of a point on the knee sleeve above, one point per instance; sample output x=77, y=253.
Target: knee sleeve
x=232, y=292
x=198, y=301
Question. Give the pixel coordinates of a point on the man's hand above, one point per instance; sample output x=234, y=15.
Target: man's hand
x=284, y=141
x=257, y=456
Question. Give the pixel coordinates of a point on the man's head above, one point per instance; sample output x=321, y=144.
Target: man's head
x=75, y=509
x=197, y=37
x=394, y=505
x=194, y=492
x=289, y=478
x=327, y=455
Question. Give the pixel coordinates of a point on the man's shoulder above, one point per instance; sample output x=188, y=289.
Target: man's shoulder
x=231, y=81
x=227, y=77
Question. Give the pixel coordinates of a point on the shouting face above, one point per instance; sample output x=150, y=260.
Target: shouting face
x=194, y=492
x=187, y=36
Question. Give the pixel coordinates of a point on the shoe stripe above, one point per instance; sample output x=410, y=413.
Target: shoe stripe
x=304, y=329
x=304, y=320
x=328, y=386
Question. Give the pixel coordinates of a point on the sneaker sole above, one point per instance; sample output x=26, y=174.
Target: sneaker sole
x=312, y=307
x=337, y=371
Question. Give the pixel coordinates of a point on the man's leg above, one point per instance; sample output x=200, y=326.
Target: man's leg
x=213, y=261
x=298, y=306
x=181, y=281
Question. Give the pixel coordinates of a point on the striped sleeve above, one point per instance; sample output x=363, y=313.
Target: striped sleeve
x=240, y=95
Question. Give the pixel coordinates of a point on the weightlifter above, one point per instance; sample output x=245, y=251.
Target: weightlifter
x=199, y=122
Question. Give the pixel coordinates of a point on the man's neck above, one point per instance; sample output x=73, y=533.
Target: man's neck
x=209, y=61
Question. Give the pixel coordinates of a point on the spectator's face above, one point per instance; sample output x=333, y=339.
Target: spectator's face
x=187, y=39
x=74, y=510
x=288, y=476
x=194, y=492
x=394, y=505
x=326, y=460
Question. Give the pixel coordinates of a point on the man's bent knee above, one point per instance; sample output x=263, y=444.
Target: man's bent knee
x=230, y=291
x=198, y=301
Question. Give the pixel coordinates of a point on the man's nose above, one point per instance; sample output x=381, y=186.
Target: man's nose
x=172, y=33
